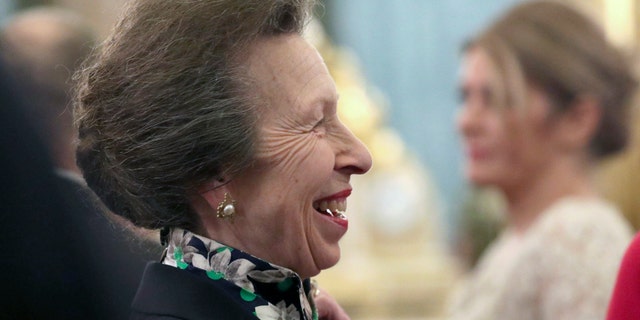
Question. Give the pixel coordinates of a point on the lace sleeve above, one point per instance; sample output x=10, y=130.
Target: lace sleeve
x=576, y=264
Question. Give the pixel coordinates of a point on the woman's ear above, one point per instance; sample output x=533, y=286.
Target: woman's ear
x=205, y=201
x=579, y=123
x=213, y=192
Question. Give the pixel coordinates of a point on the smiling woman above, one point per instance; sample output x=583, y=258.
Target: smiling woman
x=216, y=122
x=303, y=159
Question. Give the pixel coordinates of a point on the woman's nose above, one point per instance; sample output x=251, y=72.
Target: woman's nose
x=353, y=156
x=467, y=119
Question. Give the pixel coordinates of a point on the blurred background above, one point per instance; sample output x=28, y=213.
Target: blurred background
x=416, y=226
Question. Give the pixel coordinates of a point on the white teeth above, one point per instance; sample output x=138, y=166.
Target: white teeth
x=342, y=206
x=333, y=208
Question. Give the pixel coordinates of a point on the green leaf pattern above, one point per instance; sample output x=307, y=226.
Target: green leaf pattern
x=215, y=260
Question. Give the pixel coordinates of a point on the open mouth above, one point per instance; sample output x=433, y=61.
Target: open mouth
x=332, y=208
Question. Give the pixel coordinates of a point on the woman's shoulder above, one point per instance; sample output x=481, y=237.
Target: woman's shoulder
x=570, y=257
x=167, y=292
x=577, y=231
x=630, y=265
x=625, y=297
x=634, y=249
x=584, y=219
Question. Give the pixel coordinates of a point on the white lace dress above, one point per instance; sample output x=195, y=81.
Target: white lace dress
x=563, y=267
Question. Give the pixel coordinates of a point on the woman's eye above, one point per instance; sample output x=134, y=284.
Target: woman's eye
x=463, y=95
x=318, y=127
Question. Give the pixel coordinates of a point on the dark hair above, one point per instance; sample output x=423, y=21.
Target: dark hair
x=165, y=105
x=561, y=50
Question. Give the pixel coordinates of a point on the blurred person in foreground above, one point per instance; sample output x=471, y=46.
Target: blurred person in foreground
x=625, y=300
x=42, y=47
x=44, y=259
x=544, y=98
x=215, y=121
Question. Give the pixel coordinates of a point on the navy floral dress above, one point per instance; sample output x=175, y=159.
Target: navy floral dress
x=269, y=291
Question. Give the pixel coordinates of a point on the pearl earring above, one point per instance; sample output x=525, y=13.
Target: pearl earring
x=226, y=209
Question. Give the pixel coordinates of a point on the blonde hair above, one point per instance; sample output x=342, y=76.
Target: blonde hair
x=563, y=52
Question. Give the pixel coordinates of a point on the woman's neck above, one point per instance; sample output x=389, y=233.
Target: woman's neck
x=527, y=201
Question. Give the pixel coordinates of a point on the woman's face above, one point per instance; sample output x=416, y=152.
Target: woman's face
x=504, y=147
x=305, y=158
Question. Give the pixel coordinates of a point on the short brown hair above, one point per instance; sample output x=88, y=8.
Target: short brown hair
x=165, y=105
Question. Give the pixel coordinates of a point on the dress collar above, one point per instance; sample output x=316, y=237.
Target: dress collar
x=271, y=291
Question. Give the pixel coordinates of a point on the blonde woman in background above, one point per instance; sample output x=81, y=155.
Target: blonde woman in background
x=544, y=98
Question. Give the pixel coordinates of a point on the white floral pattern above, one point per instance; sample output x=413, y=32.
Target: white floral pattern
x=177, y=249
x=277, y=312
x=269, y=276
x=235, y=271
x=268, y=290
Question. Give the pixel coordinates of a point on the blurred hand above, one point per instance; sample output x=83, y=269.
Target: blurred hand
x=328, y=307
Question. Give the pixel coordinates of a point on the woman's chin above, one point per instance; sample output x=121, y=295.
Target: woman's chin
x=479, y=178
x=479, y=182
x=331, y=258
x=328, y=258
